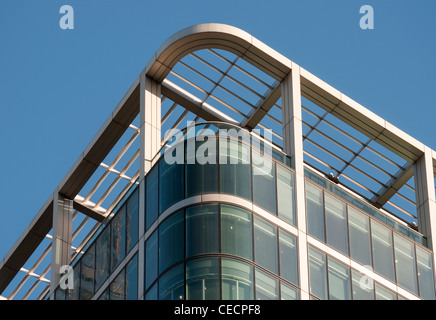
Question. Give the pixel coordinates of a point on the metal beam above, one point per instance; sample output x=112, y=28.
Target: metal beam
x=193, y=104
x=88, y=208
x=262, y=107
x=396, y=183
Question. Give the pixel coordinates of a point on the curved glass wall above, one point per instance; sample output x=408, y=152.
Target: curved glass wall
x=222, y=251
x=217, y=251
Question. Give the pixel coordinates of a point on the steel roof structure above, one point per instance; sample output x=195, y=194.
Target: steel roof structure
x=215, y=72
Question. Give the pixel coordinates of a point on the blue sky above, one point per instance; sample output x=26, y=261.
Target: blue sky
x=57, y=87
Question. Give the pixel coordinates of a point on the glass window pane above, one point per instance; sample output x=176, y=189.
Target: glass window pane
x=267, y=287
x=74, y=294
x=171, y=284
x=360, y=242
x=425, y=274
x=171, y=185
x=59, y=294
x=87, y=274
x=336, y=223
x=315, y=211
x=152, y=293
x=237, y=280
x=151, y=259
x=151, y=196
x=236, y=232
x=381, y=293
x=317, y=274
x=235, y=170
x=202, y=177
x=339, y=280
x=363, y=287
x=288, y=257
x=171, y=240
x=102, y=250
x=405, y=264
x=202, y=229
x=132, y=279
x=287, y=292
x=264, y=191
x=132, y=215
x=285, y=194
x=203, y=279
x=104, y=295
x=118, y=233
x=265, y=244
x=382, y=250
x=116, y=289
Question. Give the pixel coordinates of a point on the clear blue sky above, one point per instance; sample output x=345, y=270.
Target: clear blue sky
x=57, y=87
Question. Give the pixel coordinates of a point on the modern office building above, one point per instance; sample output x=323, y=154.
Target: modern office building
x=227, y=171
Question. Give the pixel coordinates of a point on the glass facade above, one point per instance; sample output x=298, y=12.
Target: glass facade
x=223, y=250
x=366, y=240
x=221, y=264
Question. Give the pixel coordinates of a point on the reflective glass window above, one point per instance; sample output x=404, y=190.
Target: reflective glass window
x=235, y=170
x=74, y=293
x=360, y=242
x=171, y=186
x=317, y=274
x=265, y=244
x=267, y=287
x=339, y=280
x=285, y=194
x=87, y=274
x=104, y=295
x=363, y=286
x=203, y=279
x=287, y=292
x=236, y=231
x=132, y=215
x=151, y=259
x=171, y=240
x=382, y=250
x=336, y=223
x=202, y=168
x=237, y=280
x=118, y=234
x=151, y=196
x=202, y=229
x=425, y=274
x=172, y=284
x=405, y=264
x=116, y=289
x=102, y=246
x=382, y=293
x=315, y=211
x=152, y=293
x=132, y=279
x=288, y=257
x=264, y=191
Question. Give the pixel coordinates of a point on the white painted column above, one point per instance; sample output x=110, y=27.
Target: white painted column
x=150, y=143
x=62, y=238
x=293, y=146
x=425, y=199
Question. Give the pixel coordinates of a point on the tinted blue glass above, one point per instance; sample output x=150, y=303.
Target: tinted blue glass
x=171, y=186
x=202, y=229
x=151, y=259
x=151, y=196
x=171, y=240
x=172, y=284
